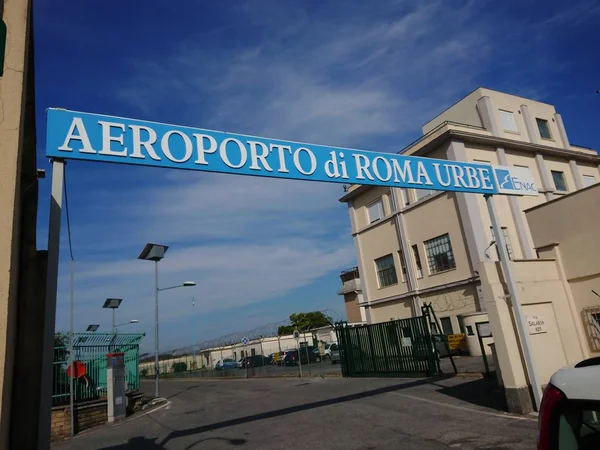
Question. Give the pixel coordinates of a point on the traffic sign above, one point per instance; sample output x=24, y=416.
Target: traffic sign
x=245, y=341
x=296, y=334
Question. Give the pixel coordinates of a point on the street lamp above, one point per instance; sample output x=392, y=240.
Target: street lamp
x=92, y=327
x=127, y=323
x=112, y=303
x=156, y=252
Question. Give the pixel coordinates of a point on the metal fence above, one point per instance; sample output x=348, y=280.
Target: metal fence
x=89, y=352
x=397, y=348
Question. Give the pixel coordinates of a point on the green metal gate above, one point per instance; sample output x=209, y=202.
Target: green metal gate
x=397, y=348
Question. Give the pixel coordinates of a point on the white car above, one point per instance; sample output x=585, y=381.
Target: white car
x=328, y=349
x=569, y=416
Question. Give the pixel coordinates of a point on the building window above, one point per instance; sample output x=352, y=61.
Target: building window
x=386, y=271
x=509, y=249
x=588, y=180
x=439, y=254
x=446, y=325
x=375, y=211
x=417, y=261
x=559, y=180
x=402, y=265
x=422, y=193
x=507, y=119
x=470, y=330
x=544, y=128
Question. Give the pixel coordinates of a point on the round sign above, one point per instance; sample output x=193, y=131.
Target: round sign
x=245, y=341
x=296, y=334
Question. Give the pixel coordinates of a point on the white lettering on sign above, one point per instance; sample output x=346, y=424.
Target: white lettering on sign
x=536, y=324
x=94, y=137
x=406, y=342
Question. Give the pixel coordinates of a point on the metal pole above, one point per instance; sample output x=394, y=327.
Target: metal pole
x=194, y=335
x=113, y=310
x=517, y=308
x=156, y=369
x=307, y=355
x=58, y=171
x=299, y=359
x=72, y=400
x=246, y=359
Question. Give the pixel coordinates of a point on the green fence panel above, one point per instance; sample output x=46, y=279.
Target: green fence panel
x=91, y=349
x=396, y=348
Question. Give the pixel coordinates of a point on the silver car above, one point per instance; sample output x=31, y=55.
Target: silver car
x=334, y=353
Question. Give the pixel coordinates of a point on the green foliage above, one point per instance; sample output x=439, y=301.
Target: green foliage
x=304, y=322
x=61, y=339
x=179, y=367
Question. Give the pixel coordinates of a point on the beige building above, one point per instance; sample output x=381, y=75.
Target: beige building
x=566, y=230
x=417, y=246
x=351, y=289
x=21, y=267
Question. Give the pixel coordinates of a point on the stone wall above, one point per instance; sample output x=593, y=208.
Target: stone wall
x=87, y=415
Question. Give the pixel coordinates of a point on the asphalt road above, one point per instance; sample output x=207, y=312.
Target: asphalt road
x=331, y=413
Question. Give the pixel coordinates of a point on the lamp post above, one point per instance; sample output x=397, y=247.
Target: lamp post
x=112, y=303
x=194, y=334
x=125, y=323
x=92, y=328
x=156, y=252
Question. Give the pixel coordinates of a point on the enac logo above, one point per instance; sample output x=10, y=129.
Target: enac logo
x=513, y=181
x=505, y=179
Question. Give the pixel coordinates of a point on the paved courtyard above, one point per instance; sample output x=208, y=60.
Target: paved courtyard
x=330, y=413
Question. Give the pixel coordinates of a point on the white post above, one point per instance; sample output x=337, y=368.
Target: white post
x=72, y=400
x=517, y=308
x=156, y=356
x=58, y=172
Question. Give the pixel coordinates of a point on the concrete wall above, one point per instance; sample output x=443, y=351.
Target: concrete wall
x=567, y=229
x=542, y=292
x=352, y=308
x=463, y=111
x=12, y=137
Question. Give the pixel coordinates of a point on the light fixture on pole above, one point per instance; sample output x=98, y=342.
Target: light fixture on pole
x=156, y=252
x=112, y=303
x=92, y=327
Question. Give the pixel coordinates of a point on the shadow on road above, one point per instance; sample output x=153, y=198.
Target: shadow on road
x=284, y=411
x=182, y=391
x=142, y=443
x=481, y=392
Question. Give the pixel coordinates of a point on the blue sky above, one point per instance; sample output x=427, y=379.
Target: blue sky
x=347, y=73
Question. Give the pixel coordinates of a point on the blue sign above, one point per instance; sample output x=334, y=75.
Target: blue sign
x=93, y=137
x=245, y=341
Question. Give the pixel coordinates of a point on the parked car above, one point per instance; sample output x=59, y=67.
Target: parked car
x=313, y=355
x=328, y=349
x=290, y=358
x=226, y=363
x=334, y=353
x=569, y=416
x=253, y=361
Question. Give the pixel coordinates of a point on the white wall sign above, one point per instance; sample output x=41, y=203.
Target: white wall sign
x=515, y=181
x=406, y=342
x=536, y=324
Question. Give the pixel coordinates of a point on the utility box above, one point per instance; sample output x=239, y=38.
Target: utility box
x=115, y=381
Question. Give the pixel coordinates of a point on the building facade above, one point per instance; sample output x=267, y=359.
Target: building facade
x=351, y=290
x=417, y=246
x=566, y=230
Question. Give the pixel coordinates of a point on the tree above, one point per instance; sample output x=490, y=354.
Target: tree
x=304, y=322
